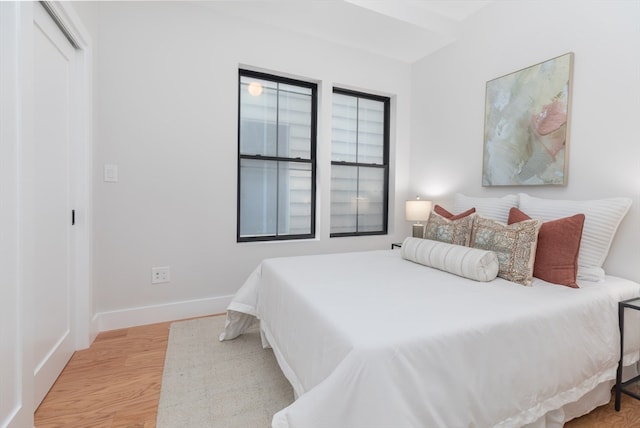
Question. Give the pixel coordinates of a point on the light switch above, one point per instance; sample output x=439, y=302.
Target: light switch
x=111, y=173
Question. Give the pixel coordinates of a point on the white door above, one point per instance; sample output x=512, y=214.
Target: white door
x=54, y=340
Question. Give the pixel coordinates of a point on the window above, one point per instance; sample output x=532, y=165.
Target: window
x=359, y=164
x=276, y=157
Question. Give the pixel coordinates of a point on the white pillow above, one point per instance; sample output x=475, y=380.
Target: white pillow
x=472, y=263
x=602, y=218
x=493, y=208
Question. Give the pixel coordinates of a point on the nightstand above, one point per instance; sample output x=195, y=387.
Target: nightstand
x=396, y=245
x=632, y=386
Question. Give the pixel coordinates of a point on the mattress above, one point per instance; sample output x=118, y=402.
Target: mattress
x=369, y=339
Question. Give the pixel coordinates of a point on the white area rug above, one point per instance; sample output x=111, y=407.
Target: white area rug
x=208, y=383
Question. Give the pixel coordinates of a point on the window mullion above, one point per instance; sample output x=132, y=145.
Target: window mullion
x=278, y=162
x=358, y=130
x=357, y=167
x=357, y=199
x=280, y=158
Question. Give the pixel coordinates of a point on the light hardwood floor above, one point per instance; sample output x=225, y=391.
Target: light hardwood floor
x=116, y=383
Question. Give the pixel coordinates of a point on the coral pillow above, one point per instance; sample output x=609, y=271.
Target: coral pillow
x=558, y=248
x=450, y=216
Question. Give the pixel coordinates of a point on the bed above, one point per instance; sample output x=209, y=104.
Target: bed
x=376, y=339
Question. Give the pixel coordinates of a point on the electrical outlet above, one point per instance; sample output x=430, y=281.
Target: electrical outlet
x=160, y=274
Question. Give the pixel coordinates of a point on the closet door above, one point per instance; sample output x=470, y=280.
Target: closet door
x=52, y=273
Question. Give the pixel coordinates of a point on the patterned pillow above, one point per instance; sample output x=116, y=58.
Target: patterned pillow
x=456, y=232
x=514, y=244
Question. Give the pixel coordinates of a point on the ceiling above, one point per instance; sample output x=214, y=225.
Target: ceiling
x=405, y=30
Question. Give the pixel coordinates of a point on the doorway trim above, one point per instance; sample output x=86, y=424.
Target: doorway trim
x=17, y=138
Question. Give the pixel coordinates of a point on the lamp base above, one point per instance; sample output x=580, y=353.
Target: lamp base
x=418, y=231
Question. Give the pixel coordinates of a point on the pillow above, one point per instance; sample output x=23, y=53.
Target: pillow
x=493, y=208
x=446, y=214
x=558, y=248
x=471, y=263
x=602, y=218
x=456, y=232
x=515, y=246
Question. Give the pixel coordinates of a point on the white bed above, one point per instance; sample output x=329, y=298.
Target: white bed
x=370, y=339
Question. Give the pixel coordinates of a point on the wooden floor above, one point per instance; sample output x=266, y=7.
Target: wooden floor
x=116, y=383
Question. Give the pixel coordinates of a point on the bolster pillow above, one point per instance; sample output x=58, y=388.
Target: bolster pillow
x=472, y=263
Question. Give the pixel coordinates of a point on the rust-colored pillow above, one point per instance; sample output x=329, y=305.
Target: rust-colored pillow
x=450, y=216
x=558, y=248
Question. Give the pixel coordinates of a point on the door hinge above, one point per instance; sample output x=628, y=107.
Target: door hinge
x=73, y=217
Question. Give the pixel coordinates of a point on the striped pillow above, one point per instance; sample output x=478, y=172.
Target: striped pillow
x=467, y=262
x=602, y=218
x=493, y=208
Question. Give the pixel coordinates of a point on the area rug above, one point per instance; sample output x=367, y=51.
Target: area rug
x=208, y=383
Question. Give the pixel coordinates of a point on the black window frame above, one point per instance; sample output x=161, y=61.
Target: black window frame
x=311, y=161
x=386, y=133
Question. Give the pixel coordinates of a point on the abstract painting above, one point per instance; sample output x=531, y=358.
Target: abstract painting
x=526, y=127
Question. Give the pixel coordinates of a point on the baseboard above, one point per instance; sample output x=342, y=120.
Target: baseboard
x=131, y=317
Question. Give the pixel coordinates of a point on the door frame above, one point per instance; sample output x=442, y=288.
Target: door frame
x=16, y=214
x=16, y=381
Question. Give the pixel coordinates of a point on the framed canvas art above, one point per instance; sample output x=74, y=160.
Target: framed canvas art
x=526, y=125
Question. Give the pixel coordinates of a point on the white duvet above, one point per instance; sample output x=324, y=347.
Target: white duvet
x=372, y=340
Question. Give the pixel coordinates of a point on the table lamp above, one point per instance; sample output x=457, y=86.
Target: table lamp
x=417, y=211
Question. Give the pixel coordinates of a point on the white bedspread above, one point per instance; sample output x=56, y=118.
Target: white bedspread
x=372, y=340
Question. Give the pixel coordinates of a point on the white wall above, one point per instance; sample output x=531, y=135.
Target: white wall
x=166, y=114
x=166, y=107
x=604, y=151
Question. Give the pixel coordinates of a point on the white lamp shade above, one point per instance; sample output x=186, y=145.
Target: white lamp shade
x=417, y=210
